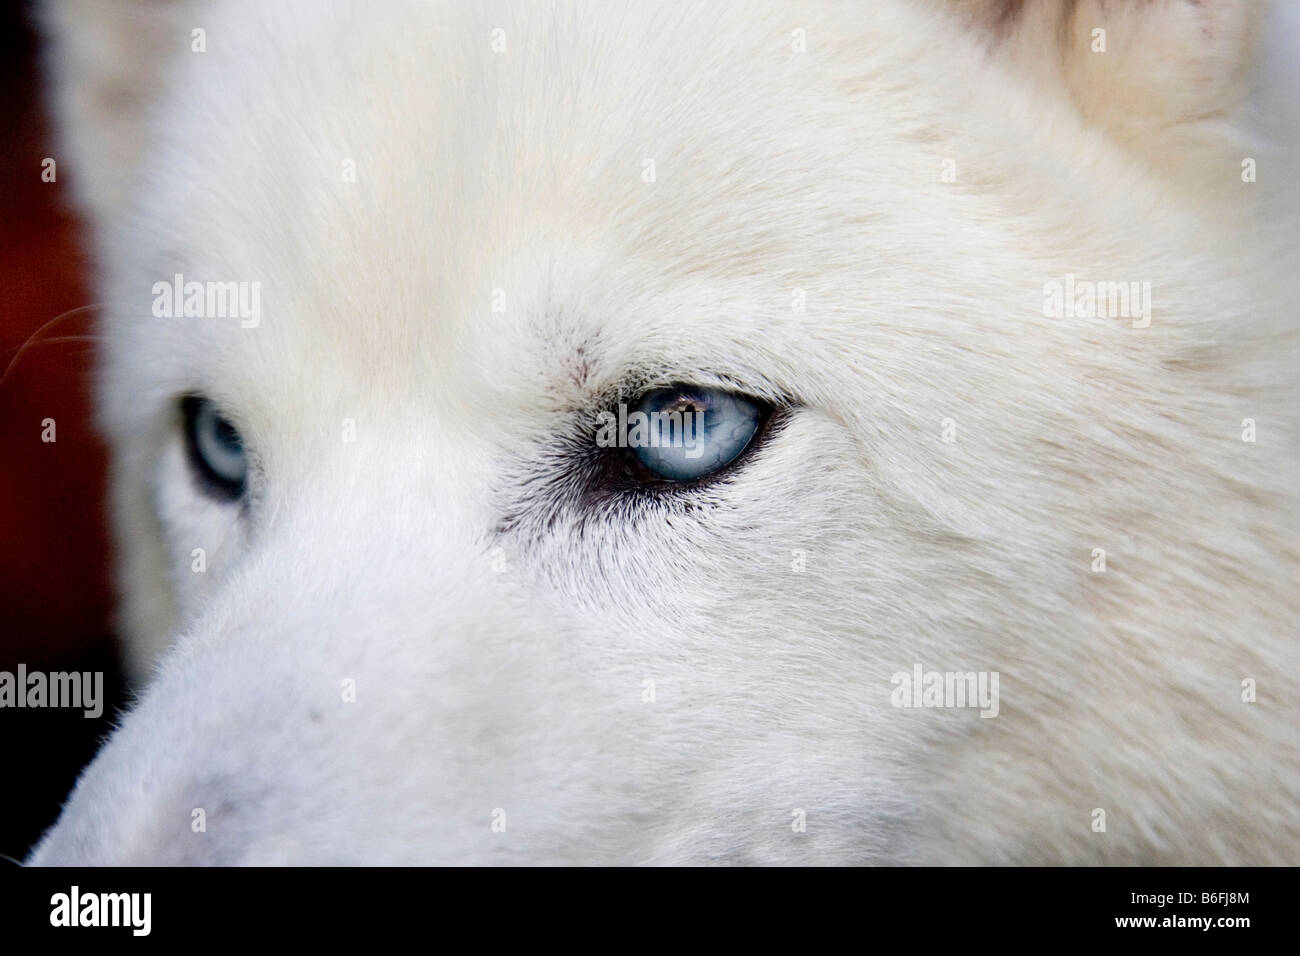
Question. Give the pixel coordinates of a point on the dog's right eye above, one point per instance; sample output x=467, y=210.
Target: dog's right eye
x=215, y=448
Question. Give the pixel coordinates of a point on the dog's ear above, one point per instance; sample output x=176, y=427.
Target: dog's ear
x=1166, y=77
x=104, y=64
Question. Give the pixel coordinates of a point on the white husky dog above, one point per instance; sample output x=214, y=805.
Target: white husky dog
x=980, y=322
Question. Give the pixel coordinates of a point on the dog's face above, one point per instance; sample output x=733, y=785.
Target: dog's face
x=419, y=612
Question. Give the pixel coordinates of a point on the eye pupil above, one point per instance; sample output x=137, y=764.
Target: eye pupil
x=215, y=447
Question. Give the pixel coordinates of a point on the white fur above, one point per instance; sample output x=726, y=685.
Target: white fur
x=373, y=560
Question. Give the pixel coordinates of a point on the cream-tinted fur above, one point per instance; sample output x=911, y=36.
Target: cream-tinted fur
x=500, y=628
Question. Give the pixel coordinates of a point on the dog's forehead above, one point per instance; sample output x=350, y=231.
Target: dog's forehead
x=539, y=196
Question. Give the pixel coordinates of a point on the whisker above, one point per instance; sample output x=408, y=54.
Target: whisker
x=71, y=338
x=35, y=336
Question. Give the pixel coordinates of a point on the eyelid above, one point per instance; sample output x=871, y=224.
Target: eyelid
x=637, y=383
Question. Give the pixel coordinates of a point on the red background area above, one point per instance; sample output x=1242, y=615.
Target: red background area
x=54, y=559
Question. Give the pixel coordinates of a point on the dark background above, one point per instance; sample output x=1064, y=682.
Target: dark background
x=55, y=603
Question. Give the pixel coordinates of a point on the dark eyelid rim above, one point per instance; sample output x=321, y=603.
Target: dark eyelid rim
x=636, y=382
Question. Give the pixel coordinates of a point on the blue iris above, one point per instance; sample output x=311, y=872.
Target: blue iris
x=215, y=447
x=692, y=432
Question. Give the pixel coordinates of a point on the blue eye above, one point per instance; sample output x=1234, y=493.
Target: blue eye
x=683, y=433
x=215, y=448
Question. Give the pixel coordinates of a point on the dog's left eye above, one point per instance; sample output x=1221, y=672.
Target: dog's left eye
x=215, y=448
x=689, y=433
